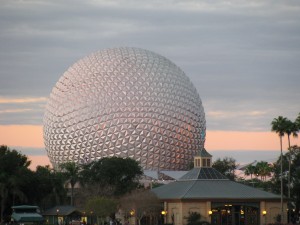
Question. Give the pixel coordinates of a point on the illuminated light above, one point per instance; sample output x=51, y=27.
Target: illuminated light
x=164, y=212
x=210, y=212
x=242, y=212
x=132, y=213
x=264, y=212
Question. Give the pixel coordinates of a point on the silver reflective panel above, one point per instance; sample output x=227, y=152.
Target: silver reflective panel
x=125, y=102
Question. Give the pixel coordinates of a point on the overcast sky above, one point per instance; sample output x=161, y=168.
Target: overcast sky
x=243, y=56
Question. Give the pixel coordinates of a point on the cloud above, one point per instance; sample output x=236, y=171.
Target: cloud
x=14, y=110
x=27, y=110
x=21, y=100
x=242, y=56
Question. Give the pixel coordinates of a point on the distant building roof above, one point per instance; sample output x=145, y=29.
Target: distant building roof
x=151, y=173
x=64, y=210
x=173, y=174
x=26, y=213
x=25, y=207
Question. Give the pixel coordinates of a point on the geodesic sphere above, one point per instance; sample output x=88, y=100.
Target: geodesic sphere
x=125, y=102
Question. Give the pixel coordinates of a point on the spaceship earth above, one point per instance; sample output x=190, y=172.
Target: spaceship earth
x=124, y=102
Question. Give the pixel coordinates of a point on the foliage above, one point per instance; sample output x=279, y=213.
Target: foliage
x=250, y=171
x=263, y=169
x=19, y=185
x=50, y=187
x=142, y=203
x=258, y=183
x=294, y=155
x=279, y=125
x=13, y=173
x=194, y=218
x=227, y=166
x=71, y=171
x=112, y=176
x=291, y=129
x=102, y=207
x=297, y=121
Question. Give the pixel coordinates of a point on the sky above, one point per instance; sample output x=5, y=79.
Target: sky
x=242, y=56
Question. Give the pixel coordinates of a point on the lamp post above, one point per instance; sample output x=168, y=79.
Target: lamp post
x=164, y=214
x=264, y=213
x=92, y=217
x=57, y=211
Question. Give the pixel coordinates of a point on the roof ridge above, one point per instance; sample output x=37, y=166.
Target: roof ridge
x=199, y=172
x=222, y=179
x=189, y=188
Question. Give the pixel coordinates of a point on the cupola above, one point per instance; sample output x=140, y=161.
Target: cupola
x=203, y=159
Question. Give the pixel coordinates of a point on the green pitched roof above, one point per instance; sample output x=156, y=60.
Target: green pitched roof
x=210, y=189
x=204, y=153
x=208, y=183
x=203, y=173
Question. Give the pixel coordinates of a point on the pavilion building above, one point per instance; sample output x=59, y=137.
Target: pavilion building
x=219, y=200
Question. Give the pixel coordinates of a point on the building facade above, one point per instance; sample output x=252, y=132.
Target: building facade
x=217, y=199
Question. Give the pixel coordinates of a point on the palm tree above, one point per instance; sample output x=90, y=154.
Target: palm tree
x=279, y=126
x=71, y=172
x=297, y=122
x=263, y=170
x=291, y=129
x=250, y=170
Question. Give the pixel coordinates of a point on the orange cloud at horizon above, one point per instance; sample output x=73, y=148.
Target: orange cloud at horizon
x=22, y=135
x=32, y=136
x=239, y=140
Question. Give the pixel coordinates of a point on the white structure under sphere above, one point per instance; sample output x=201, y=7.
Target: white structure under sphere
x=125, y=102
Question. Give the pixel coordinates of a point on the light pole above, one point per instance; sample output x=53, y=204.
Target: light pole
x=281, y=181
x=57, y=211
x=164, y=214
x=264, y=213
x=92, y=218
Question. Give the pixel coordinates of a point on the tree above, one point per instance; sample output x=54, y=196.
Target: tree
x=194, y=218
x=102, y=207
x=263, y=170
x=13, y=168
x=295, y=175
x=112, y=176
x=291, y=129
x=141, y=203
x=279, y=126
x=71, y=171
x=250, y=170
x=294, y=154
x=227, y=166
x=49, y=187
x=297, y=122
